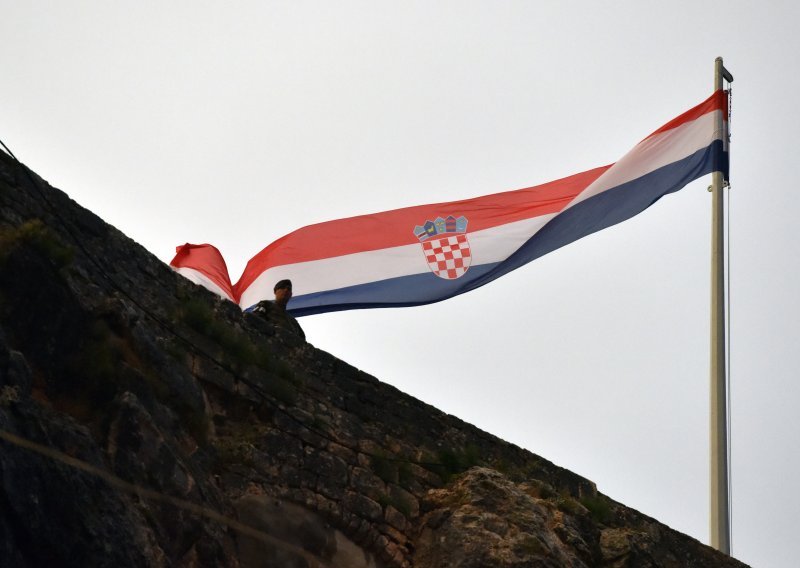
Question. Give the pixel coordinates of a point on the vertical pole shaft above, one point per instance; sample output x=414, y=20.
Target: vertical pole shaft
x=719, y=518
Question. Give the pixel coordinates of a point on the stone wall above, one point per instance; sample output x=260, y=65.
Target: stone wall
x=110, y=357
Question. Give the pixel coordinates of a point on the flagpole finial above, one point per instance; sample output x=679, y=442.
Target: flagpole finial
x=722, y=71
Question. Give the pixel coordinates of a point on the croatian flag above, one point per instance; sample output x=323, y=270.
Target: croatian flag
x=428, y=253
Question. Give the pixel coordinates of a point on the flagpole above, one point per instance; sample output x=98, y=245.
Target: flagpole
x=720, y=511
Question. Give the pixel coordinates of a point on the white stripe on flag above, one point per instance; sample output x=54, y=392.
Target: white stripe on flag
x=486, y=246
x=201, y=279
x=655, y=152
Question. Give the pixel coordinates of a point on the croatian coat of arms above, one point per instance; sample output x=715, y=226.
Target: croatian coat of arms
x=445, y=245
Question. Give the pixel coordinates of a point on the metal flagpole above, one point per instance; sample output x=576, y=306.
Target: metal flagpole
x=720, y=511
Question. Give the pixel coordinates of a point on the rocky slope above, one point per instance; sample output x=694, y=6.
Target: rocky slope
x=144, y=422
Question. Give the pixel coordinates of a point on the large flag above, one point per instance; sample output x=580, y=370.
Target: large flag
x=428, y=253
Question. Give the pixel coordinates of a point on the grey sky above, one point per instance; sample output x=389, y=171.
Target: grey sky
x=235, y=123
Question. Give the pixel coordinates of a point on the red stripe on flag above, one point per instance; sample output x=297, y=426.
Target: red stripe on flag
x=395, y=228
x=717, y=101
x=207, y=260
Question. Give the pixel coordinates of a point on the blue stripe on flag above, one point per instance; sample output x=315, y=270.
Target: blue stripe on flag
x=403, y=291
x=608, y=208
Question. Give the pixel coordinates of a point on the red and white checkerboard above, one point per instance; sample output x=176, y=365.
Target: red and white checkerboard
x=448, y=256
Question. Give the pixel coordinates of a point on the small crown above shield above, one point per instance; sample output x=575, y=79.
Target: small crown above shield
x=439, y=226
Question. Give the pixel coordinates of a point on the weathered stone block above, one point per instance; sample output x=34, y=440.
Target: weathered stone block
x=395, y=518
x=364, y=460
x=362, y=506
x=367, y=483
x=331, y=469
x=394, y=534
x=287, y=449
x=404, y=501
x=425, y=476
x=346, y=454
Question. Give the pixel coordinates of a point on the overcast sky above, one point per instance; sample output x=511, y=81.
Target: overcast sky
x=235, y=123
